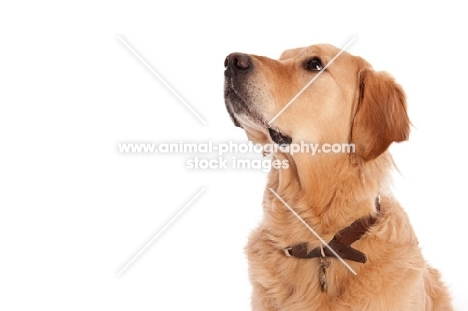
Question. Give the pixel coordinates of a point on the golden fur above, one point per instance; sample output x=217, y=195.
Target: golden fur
x=348, y=103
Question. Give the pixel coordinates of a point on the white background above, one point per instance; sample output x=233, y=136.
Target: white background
x=73, y=211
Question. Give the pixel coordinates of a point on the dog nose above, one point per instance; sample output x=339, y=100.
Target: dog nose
x=237, y=61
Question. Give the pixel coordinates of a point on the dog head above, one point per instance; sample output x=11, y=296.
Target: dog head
x=310, y=95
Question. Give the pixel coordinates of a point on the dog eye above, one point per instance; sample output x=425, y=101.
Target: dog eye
x=314, y=64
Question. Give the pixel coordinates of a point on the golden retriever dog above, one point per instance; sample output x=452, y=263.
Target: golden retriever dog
x=371, y=259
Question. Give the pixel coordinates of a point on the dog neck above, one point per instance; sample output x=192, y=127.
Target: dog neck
x=329, y=193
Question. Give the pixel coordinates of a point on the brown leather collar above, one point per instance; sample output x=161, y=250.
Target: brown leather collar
x=341, y=242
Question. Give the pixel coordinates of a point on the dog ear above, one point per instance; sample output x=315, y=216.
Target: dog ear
x=381, y=116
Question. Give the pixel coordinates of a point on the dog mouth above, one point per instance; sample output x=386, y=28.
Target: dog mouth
x=278, y=137
x=237, y=106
